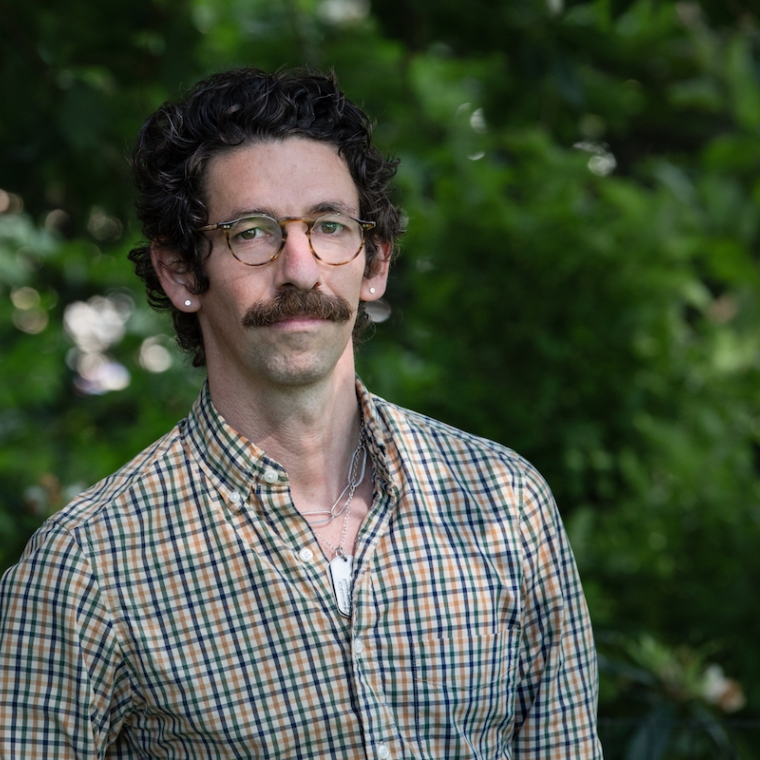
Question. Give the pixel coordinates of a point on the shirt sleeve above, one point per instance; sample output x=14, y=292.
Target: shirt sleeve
x=556, y=699
x=64, y=690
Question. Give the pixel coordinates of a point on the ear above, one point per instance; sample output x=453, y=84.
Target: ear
x=174, y=277
x=373, y=286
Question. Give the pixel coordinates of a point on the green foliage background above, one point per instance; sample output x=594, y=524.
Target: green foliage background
x=579, y=279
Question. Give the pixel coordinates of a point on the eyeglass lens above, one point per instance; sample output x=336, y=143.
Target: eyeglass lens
x=335, y=238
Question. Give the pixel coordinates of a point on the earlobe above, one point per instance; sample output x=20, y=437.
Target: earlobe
x=373, y=285
x=174, y=277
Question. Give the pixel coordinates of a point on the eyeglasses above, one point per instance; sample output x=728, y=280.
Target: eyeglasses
x=334, y=238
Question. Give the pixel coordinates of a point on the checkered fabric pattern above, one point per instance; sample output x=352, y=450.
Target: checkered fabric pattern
x=182, y=608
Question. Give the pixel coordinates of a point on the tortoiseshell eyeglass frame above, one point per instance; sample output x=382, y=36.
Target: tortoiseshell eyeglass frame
x=281, y=222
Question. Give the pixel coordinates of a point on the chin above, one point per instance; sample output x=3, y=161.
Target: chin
x=293, y=373
x=300, y=362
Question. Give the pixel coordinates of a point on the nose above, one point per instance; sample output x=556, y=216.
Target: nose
x=296, y=265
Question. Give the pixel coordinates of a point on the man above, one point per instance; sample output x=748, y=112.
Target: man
x=299, y=569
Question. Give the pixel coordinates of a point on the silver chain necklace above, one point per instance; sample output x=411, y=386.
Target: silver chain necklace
x=341, y=566
x=355, y=478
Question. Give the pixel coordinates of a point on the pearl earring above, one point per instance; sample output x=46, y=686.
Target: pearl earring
x=371, y=290
x=188, y=303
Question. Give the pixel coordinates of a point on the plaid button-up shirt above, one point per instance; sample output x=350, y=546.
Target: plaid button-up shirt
x=182, y=608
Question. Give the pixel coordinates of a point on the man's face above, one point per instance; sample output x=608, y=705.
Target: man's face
x=295, y=177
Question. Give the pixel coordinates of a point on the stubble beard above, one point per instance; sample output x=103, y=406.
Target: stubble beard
x=285, y=366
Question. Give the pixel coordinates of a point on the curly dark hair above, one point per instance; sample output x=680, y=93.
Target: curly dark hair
x=220, y=113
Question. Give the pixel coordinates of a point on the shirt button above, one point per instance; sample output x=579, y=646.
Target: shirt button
x=236, y=498
x=358, y=647
x=306, y=555
x=270, y=475
x=383, y=751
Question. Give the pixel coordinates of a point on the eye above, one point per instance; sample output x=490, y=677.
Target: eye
x=329, y=226
x=250, y=233
x=255, y=229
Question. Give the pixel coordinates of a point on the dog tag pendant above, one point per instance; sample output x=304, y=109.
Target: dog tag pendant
x=340, y=575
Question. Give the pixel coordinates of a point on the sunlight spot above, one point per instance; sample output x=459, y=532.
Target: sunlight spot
x=25, y=298
x=99, y=374
x=478, y=121
x=31, y=321
x=154, y=356
x=343, y=11
x=98, y=323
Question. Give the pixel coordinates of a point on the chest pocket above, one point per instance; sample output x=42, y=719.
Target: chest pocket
x=463, y=694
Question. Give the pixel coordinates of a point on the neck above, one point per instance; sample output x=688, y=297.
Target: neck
x=311, y=430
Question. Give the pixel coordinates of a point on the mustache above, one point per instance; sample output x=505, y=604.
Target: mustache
x=298, y=303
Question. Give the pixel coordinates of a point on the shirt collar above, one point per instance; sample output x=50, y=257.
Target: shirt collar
x=235, y=464
x=379, y=439
x=231, y=461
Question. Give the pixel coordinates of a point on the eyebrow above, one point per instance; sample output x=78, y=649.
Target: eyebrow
x=333, y=206
x=325, y=207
